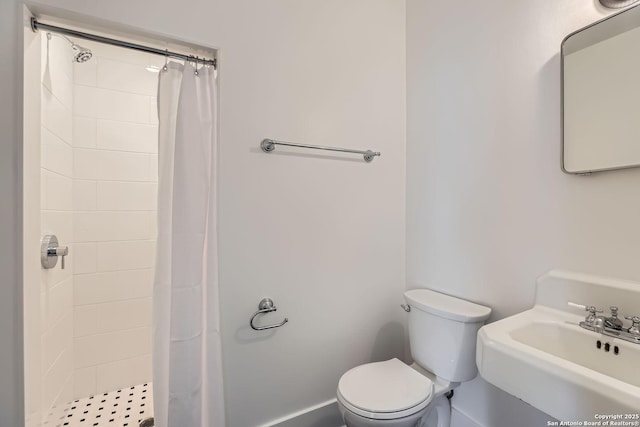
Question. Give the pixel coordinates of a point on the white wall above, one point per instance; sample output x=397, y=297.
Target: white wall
x=321, y=235
x=11, y=323
x=115, y=135
x=488, y=208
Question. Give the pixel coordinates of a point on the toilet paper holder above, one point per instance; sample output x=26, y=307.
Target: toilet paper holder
x=266, y=306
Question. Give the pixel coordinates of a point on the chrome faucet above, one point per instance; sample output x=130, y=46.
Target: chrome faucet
x=635, y=325
x=592, y=316
x=610, y=326
x=598, y=324
x=613, y=322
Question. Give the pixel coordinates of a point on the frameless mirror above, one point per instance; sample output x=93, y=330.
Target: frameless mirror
x=601, y=95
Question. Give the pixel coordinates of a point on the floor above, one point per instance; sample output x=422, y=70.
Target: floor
x=121, y=408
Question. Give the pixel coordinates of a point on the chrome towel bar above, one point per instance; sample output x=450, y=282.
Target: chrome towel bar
x=266, y=306
x=268, y=145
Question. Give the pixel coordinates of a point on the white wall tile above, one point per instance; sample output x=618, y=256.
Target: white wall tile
x=114, y=202
x=108, y=256
x=126, y=136
x=66, y=394
x=84, y=382
x=57, y=70
x=127, y=196
x=104, y=51
x=84, y=195
x=84, y=320
x=153, y=168
x=85, y=258
x=123, y=373
x=94, y=226
x=112, y=286
x=104, y=348
x=109, y=104
x=54, y=276
x=57, y=155
x=153, y=110
x=56, y=55
x=56, y=204
x=111, y=226
x=58, y=118
x=110, y=165
x=115, y=316
x=58, y=223
x=126, y=77
x=84, y=131
x=58, y=301
x=56, y=377
x=43, y=189
x=86, y=73
x=59, y=191
x=135, y=226
x=55, y=340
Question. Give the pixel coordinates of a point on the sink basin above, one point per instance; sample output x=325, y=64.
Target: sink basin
x=545, y=358
x=576, y=345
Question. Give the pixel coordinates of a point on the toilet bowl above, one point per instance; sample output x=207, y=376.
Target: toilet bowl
x=392, y=394
x=442, y=337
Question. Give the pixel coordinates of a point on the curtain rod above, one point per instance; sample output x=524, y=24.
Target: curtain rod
x=35, y=26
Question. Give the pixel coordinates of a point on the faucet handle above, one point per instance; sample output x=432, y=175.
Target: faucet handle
x=591, y=317
x=590, y=308
x=614, y=310
x=635, y=326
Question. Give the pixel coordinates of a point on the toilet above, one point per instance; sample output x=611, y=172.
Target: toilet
x=442, y=337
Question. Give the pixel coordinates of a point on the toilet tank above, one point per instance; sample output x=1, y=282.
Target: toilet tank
x=442, y=333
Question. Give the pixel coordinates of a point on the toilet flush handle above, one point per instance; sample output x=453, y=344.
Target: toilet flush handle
x=406, y=307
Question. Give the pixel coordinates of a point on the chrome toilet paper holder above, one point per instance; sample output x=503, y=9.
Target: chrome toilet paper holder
x=266, y=306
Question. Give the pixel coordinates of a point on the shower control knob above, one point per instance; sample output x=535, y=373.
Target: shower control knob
x=59, y=252
x=50, y=251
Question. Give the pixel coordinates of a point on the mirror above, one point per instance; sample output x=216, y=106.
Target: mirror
x=601, y=95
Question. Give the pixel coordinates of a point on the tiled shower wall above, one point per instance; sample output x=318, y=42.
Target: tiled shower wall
x=56, y=169
x=98, y=195
x=114, y=218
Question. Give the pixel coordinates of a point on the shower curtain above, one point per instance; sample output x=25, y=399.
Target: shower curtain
x=187, y=368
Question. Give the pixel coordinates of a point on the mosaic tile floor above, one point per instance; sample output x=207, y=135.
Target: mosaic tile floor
x=121, y=408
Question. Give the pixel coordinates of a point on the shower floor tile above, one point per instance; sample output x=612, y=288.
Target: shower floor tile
x=121, y=408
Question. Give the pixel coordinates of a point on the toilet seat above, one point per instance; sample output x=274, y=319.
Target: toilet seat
x=385, y=390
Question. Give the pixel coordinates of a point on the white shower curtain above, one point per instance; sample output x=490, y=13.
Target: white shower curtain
x=187, y=366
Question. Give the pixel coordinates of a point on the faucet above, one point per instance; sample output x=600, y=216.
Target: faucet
x=610, y=326
x=613, y=322
x=592, y=317
x=635, y=327
x=592, y=321
x=598, y=324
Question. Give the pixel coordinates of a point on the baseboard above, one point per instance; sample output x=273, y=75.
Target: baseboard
x=325, y=414
x=461, y=419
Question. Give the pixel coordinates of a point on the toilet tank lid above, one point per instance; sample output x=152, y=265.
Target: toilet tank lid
x=447, y=306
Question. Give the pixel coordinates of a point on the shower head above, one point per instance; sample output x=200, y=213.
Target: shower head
x=80, y=54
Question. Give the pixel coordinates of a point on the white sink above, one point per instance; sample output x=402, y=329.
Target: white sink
x=543, y=357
